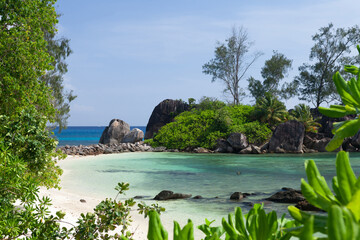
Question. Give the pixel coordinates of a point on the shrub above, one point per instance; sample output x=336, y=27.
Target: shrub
x=255, y=132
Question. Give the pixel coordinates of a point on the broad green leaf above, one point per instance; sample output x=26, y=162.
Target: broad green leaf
x=343, y=90
x=239, y=221
x=343, y=130
x=308, y=230
x=233, y=234
x=336, y=225
x=351, y=69
x=156, y=230
x=345, y=176
x=317, y=181
x=314, y=198
x=335, y=185
x=354, y=90
x=332, y=112
x=354, y=205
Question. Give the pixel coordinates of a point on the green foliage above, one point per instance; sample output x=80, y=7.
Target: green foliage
x=256, y=225
x=230, y=63
x=350, y=96
x=59, y=49
x=343, y=219
x=255, y=132
x=207, y=122
x=270, y=110
x=193, y=129
x=330, y=51
x=274, y=70
x=303, y=114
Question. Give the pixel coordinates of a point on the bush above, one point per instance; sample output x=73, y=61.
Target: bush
x=255, y=132
x=193, y=129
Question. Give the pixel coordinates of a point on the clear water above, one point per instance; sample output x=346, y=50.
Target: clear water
x=82, y=135
x=213, y=176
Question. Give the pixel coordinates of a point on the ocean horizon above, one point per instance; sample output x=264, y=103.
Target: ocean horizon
x=83, y=135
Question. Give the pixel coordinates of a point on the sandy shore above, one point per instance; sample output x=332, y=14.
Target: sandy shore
x=71, y=205
x=69, y=202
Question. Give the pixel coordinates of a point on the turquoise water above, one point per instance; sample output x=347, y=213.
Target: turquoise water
x=213, y=176
x=82, y=135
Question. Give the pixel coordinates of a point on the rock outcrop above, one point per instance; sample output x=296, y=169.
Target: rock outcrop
x=167, y=195
x=164, y=113
x=288, y=138
x=237, y=141
x=287, y=195
x=115, y=132
x=135, y=135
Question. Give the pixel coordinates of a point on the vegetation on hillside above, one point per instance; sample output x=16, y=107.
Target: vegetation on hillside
x=208, y=121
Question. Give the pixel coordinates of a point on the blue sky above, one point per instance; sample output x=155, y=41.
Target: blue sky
x=130, y=55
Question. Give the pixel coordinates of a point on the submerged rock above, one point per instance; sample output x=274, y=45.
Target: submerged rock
x=236, y=196
x=287, y=195
x=167, y=195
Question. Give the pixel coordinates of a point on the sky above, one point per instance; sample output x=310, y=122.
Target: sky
x=128, y=56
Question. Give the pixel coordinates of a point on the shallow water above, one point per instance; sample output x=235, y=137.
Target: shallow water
x=213, y=176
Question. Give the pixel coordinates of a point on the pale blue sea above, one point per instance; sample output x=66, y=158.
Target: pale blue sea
x=82, y=135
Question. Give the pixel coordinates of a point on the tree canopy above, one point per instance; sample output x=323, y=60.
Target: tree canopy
x=274, y=70
x=331, y=50
x=231, y=63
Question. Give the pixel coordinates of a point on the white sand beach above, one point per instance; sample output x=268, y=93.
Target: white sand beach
x=70, y=203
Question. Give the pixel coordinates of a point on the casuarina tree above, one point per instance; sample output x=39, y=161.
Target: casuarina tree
x=231, y=63
x=330, y=52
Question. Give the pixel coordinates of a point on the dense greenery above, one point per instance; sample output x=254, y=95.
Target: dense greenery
x=302, y=113
x=208, y=121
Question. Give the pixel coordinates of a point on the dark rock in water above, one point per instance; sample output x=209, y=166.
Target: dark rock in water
x=164, y=113
x=135, y=135
x=198, y=197
x=237, y=141
x=167, y=195
x=237, y=196
x=287, y=138
x=138, y=197
x=306, y=206
x=83, y=200
x=115, y=132
x=287, y=195
x=164, y=195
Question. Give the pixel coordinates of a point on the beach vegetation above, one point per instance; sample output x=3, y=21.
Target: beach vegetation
x=208, y=121
x=332, y=49
x=270, y=110
x=274, y=71
x=302, y=113
x=231, y=63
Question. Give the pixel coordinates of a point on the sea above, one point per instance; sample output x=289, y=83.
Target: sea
x=83, y=135
x=212, y=176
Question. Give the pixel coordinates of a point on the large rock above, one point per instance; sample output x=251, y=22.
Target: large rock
x=135, y=135
x=288, y=138
x=318, y=145
x=287, y=195
x=164, y=113
x=237, y=141
x=167, y=195
x=115, y=132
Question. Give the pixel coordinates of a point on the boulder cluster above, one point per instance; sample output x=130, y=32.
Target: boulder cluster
x=96, y=149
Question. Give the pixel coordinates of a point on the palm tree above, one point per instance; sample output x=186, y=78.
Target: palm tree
x=302, y=114
x=270, y=110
